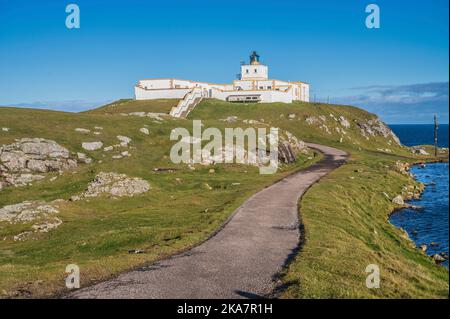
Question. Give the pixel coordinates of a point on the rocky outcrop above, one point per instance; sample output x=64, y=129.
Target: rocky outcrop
x=398, y=200
x=419, y=151
x=20, y=161
x=289, y=148
x=114, y=184
x=375, y=127
x=40, y=214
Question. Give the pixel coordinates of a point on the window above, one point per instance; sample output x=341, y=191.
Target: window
x=246, y=71
x=261, y=87
x=269, y=87
x=256, y=70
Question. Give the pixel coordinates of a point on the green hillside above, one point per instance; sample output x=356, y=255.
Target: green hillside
x=344, y=215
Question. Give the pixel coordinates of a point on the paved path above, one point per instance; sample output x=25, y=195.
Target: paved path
x=241, y=259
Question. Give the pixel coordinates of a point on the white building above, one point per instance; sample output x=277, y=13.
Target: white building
x=253, y=85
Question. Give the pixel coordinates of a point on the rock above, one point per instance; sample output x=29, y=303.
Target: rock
x=344, y=122
x=92, y=146
x=75, y=198
x=124, y=141
x=117, y=157
x=438, y=258
x=419, y=150
x=144, y=130
x=230, y=119
x=125, y=154
x=156, y=116
x=26, y=156
x=24, y=179
x=136, y=251
x=98, y=128
x=401, y=167
x=140, y=114
x=212, y=170
x=82, y=158
x=108, y=148
x=292, y=116
x=82, y=130
x=41, y=214
x=423, y=247
x=207, y=186
x=118, y=185
x=374, y=127
x=398, y=200
x=5, y=129
x=311, y=120
x=97, y=133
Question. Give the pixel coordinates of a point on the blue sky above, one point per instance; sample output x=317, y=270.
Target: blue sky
x=399, y=71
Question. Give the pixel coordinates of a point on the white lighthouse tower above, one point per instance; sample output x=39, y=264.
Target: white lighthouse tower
x=255, y=70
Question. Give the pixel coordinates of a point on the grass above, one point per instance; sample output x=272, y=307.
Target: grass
x=179, y=211
x=345, y=215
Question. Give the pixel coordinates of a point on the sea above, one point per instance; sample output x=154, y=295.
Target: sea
x=429, y=225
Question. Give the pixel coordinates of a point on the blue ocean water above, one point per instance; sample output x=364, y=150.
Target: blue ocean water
x=429, y=225
x=420, y=134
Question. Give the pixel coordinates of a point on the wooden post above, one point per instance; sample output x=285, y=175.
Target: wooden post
x=435, y=136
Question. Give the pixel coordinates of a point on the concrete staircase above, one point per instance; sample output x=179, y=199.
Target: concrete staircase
x=188, y=103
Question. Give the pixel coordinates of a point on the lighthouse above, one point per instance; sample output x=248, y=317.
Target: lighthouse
x=254, y=70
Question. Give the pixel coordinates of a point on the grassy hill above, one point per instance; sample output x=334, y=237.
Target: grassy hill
x=344, y=215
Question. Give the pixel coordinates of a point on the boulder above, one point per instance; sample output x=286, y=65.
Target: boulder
x=32, y=155
x=419, y=151
x=438, y=258
x=144, y=131
x=118, y=185
x=124, y=141
x=92, y=146
x=40, y=214
x=82, y=130
x=398, y=200
x=344, y=122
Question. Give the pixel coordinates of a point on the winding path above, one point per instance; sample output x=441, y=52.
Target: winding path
x=241, y=259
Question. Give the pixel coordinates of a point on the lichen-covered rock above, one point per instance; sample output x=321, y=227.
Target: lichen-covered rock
x=419, y=150
x=311, y=120
x=144, y=130
x=82, y=130
x=40, y=214
x=398, y=200
x=344, y=122
x=289, y=147
x=92, y=146
x=118, y=185
x=124, y=140
x=230, y=119
x=375, y=127
x=19, y=160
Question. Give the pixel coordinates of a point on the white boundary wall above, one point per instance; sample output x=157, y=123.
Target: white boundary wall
x=269, y=90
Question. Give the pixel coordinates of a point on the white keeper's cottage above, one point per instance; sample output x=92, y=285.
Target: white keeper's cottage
x=253, y=85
